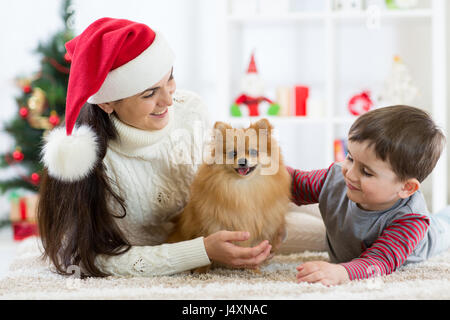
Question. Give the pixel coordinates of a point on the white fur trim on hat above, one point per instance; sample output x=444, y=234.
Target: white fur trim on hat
x=138, y=74
x=70, y=158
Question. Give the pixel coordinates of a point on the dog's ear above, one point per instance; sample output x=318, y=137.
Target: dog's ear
x=262, y=124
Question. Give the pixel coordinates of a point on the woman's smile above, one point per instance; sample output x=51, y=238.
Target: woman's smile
x=160, y=114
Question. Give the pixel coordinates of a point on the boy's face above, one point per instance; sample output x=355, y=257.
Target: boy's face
x=370, y=181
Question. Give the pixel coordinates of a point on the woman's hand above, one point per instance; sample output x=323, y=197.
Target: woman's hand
x=328, y=274
x=220, y=249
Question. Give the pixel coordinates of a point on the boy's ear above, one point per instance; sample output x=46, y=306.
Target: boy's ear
x=409, y=187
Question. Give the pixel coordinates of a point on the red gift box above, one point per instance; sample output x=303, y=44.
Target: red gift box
x=23, y=217
x=24, y=229
x=301, y=97
x=24, y=208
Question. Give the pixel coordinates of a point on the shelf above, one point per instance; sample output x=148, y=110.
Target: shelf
x=322, y=16
x=276, y=120
x=384, y=14
x=287, y=17
x=241, y=32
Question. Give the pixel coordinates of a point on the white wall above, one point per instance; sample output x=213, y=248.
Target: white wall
x=180, y=21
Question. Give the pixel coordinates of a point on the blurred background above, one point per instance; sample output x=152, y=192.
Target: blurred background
x=310, y=66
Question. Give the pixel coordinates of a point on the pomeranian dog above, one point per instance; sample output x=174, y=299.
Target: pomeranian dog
x=244, y=186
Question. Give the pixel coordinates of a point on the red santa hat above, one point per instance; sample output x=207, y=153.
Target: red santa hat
x=252, y=65
x=111, y=60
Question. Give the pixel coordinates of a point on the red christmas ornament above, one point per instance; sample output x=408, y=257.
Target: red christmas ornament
x=53, y=119
x=360, y=103
x=35, y=178
x=26, y=88
x=67, y=57
x=18, y=155
x=23, y=112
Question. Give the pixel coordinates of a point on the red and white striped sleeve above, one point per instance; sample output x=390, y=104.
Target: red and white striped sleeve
x=391, y=249
x=306, y=185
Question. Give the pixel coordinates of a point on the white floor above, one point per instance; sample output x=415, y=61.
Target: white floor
x=8, y=249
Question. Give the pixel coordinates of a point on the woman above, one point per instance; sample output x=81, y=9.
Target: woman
x=113, y=180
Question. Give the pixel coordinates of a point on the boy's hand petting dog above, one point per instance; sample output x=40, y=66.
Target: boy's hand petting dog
x=328, y=274
x=220, y=248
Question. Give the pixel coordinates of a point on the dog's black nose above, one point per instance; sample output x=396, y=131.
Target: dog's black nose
x=242, y=162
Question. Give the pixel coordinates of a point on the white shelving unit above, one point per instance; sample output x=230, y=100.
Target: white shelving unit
x=231, y=26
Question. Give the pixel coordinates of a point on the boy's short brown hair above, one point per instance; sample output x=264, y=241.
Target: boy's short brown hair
x=405, y=136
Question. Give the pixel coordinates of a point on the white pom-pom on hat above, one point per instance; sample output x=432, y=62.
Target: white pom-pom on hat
x=70, y=158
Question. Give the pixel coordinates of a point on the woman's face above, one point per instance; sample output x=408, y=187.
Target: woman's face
x=146, y=110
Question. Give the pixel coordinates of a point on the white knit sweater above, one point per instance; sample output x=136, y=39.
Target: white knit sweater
x=152, y=171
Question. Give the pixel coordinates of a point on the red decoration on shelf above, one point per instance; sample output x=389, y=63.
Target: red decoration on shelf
x=23, y=112
x=360, y=103
x=252, y=94
x=35, y=178
x=340, y=150
x=18, y=155
x=53, y=119
x=252, y=103
x=301, y=97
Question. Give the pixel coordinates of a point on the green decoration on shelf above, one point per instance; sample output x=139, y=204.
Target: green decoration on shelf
x=235, y=111
x=401, y=4
x=390, y=4
x=274, y=109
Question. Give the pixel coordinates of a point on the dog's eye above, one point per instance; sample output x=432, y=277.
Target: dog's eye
x=232, y=154
x=253, y=152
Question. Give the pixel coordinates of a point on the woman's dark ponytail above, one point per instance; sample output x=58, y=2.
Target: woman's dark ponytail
x=75, y=221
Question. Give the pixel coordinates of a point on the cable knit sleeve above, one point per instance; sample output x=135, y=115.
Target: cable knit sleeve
x=165, y=259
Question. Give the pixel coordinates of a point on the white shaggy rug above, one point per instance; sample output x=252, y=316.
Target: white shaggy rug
x=30, y=278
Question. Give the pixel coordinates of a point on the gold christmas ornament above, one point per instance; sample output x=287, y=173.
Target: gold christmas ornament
x=37, y=101
x=39, y=122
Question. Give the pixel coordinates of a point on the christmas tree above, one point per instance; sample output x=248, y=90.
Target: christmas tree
x=40, y=106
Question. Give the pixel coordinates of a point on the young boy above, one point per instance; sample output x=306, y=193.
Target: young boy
x=376, y=218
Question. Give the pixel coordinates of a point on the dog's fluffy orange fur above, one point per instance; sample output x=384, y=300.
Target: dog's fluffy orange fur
x=235, y=195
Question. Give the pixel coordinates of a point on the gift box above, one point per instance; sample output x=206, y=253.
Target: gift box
x=24, y=208
x=23, y=216
x=301, y=98
x=24, y=229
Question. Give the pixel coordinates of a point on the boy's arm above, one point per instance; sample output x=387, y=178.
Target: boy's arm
x=306, y=185
x=391, y=249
